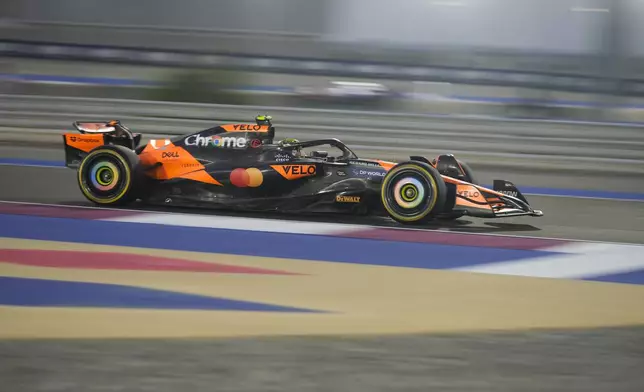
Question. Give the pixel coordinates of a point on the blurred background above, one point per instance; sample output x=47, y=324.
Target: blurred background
x=564, y=59
x=423, y=77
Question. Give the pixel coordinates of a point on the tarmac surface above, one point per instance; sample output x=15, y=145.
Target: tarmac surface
x=571, y=361
x=564, y=217
x=563, y=360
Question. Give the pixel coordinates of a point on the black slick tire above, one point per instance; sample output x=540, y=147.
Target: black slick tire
x=413, y=192
x=469, y=177
x=469, y=173
x=107, y=176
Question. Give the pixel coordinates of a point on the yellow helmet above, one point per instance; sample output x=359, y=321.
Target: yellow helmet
x=262, y=119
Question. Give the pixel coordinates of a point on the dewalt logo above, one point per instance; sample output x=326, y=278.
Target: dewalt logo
x=293, y=172
x=347, y=199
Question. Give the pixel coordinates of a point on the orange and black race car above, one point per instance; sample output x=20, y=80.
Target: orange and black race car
x=239, y=166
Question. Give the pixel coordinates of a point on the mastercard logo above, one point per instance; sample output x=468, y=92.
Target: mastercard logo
x=243, y=178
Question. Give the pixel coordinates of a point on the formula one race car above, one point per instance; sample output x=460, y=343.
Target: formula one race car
x=239, y=166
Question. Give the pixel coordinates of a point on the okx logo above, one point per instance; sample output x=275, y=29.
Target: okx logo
x=293, y=172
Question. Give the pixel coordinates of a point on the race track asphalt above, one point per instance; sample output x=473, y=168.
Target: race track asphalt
x=564, y=217
x=590, y=360
x=566, y=361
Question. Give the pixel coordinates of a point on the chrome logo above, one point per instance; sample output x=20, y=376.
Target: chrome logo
x=243, y=178
x=217, y=141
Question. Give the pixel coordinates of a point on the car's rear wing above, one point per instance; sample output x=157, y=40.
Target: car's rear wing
x=95, y=127
x=92, y=134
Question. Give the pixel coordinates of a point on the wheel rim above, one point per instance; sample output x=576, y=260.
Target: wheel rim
x=409, y=194
x=104, y=178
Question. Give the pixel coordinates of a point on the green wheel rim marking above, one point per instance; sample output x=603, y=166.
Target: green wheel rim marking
x=99, y=177
x=397, y=195
x=409, y=192
x=122, y=171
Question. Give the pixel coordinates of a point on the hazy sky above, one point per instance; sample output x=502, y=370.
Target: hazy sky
x=571, y=26
x=518, y=24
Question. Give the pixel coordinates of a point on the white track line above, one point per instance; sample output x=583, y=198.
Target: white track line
x=578, y=259
x=343, y=226
x=596, y=261
x=238, y=223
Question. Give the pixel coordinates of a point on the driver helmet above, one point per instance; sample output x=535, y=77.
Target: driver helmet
x=262, y=119
x=289, y=141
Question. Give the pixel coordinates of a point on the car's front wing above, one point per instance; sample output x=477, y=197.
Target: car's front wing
x=476, y=200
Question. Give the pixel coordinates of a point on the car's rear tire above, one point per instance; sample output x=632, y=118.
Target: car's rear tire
x=413, y=192
x=107, y=175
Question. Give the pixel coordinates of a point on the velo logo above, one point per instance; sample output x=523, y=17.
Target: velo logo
x=247, y=127
x=293, y=172
x=468, y=192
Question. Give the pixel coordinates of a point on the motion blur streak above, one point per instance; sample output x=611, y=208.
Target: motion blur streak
x=548, y=94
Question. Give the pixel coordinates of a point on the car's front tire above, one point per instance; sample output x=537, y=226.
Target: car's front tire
x=469, y=173
x=107, y=175
x=413, y=192
x=469, y=177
